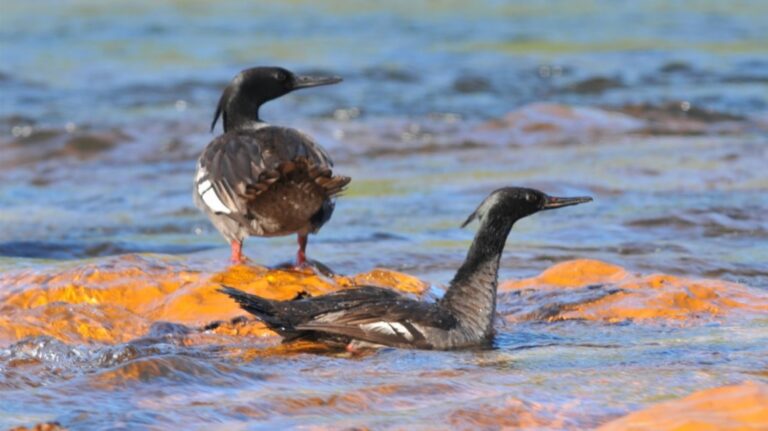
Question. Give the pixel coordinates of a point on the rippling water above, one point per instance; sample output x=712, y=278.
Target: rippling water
x=658, y=111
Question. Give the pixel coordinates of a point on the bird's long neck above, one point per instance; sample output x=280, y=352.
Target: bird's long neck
x=241, y=113
x=471, y=296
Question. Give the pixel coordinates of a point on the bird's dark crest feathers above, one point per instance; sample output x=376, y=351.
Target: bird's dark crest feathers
x=220, y=109
x=469, y=219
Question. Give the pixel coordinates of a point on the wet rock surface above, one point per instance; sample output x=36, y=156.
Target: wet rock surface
x=594, y=290
x=129, y=297
x=120, y=325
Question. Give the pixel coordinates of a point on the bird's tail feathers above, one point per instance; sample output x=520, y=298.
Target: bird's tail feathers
x=305, y=171
x=260, y=307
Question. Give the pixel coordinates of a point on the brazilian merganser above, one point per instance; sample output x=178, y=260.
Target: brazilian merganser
x=262, y=180
x=365, y=316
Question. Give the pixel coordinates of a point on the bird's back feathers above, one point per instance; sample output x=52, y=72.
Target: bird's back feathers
x=274, y=175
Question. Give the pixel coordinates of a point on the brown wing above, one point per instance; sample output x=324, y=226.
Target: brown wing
x=241, y=165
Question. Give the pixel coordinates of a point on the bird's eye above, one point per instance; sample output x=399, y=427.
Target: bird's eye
x=529, y=197
x=280, y=76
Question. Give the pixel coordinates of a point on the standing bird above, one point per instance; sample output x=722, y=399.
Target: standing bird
x=463, y=318
x=263, y=180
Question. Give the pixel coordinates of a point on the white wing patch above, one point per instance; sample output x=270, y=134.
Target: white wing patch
x=208, y=194
x=201, y=172
x=257, y=126
x=388, y=328
x=330, y=317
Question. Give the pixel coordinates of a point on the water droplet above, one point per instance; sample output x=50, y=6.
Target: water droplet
x=21, y=131
x=181, y=105
x=70, y=127
x=685, y=106
x=346, y=114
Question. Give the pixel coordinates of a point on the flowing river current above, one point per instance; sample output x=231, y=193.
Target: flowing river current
x=657, y=290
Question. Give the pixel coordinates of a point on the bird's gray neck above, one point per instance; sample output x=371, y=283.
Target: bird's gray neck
x=241, y=114
x=471, y=296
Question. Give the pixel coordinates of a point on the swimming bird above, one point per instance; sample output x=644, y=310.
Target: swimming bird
x=364, y=316
x=257, y=179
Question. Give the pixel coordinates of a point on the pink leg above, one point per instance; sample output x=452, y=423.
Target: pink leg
x=237, y=252
x=301, y=255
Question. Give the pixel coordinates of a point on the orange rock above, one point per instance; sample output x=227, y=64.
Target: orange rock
x=727, y=408
x=575, y=273
x=48, y=426
x=103, y=323
x=386, y=278
x=118, y=299
x=642, y=297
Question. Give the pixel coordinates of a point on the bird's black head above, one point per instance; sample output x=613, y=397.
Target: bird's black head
x=513, y=203
x=251, y=88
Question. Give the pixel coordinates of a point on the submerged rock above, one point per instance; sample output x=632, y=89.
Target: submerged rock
x=34, y=146
x=595, y=85
x=549, y=123
x=685, y=118
x=472, y=84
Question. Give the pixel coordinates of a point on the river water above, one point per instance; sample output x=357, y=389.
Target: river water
x=659, y=111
